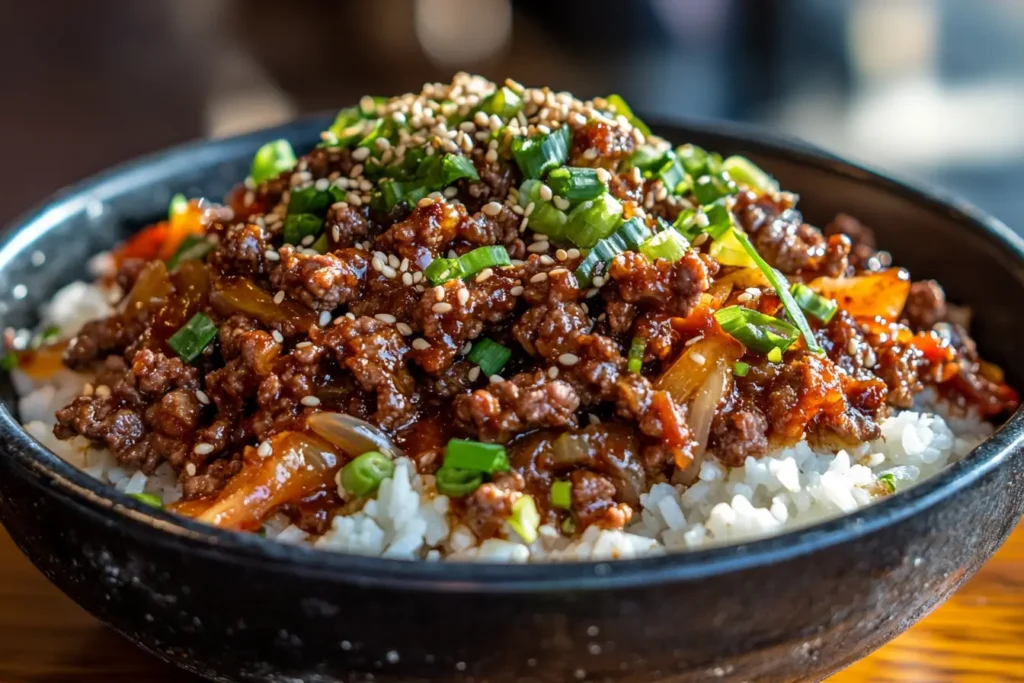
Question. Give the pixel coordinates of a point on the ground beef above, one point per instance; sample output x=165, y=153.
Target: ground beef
x=662, y=337
x=926, y=305
x=738, y=430
x=101, y=338
x=593, y=502
x=425, y=234
x=673, y=288
x=483, y=230
x=862, y=239
x=496, y=178
x=598, y=143
x=779, y=233
x=527, y=401
x=489, y=507
x=242, y=250
x=320, y=281
x=346, y=226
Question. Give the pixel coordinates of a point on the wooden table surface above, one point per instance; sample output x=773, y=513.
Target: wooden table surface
x=978, y=636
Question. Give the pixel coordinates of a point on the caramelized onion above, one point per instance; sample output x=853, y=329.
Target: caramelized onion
x=299, y=465
x=151, y=289
x=352, y=435
x=871, y=294
x=241, y=295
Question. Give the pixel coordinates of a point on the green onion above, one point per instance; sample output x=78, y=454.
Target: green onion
x=321, y=245
x=179, y=204
x=593, y=220
x=745, y=172
x=537, y=155
x=636, y=354
x=619, y=106
x=271, y=160
x=706, y=190
x=489, y=355
x=775, y=355
x=9, y=361
x=781, y=286
x=442, y=270
x=457, y=483
x=813, y=303
x=193, y=337
x=693, y=158
x=348, y=127
x=475, y=456
x=363, y=475
x=673, y=175
x=668, y=245
x=629, y=236
x=888, y=480
x=474, y=261
x=561, y=494
x=525, y=518
x=455, y=167
x=149, y=499
x=51, y=333
x=309, y=200
x=575, y=184
x=545, y=218
x=192, y=248
x=300, y=226
x=740, y=369
x=755, y=330
x=645, y=157
x=505, y=103
x=382, y=128
x=569, y=526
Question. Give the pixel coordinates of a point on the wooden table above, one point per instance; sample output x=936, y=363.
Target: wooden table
x=977, y=636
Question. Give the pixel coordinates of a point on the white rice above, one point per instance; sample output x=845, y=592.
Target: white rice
x=790, y=488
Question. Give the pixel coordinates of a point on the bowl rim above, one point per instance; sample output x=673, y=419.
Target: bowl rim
x=96, y=498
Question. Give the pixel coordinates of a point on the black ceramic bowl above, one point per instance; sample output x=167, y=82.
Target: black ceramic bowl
x=796, y=607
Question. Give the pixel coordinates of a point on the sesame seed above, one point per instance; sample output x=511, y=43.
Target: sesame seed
x=441, y=307
x=407, y=279
x=599, y=281
x=310, y=401
x=753, y=291
x=604, y=175
x=569, y=359
x=361, y=154
x=190, y=468
x=202, y=448
x=264, y=450
x=590, y=154
x=201, y=396
x=851, y=347
x=553, y=372
x=304, y=345
x=539, y=237
x=529, y=208
x=420, y=344
x=463, y=296
x=698, y=358
x=547, y=260
x=691, y=342
x=386, y=318
x=376, y=264
x=404, y=329
x=325, y=318
x=279, y=297
x=545, y=193
x=517, y=210
x=491, y=208
x=355, y=172
x=561, y=204
x=417, y=277
x=700, y=239
x=484, y=274
x=539, y=277
x=574, y=253
x=393, y=261
x=278, y=337
x=496, y=379
x=102, y=391
x=538, y=247
x=272, y=255
x=492, y=154
x=439, y=293
x=516, y=291
x=593, y=419
x=389, y=272
x=561, y=254
x=474, y=374
x=336, y=232
x=592, y=292
x=450, y=192
x=744, y=297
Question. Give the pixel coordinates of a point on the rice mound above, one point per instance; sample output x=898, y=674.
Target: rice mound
x=788, y=489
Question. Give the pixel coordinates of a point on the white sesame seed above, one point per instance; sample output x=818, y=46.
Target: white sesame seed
x=516, y=291
x=698, y=358
x=599, y=281
x=417, y=277
x=386, y=318
x=201, y=396
x=604, y=175
x=744, y=298
x=202, y=448
x=473, y=374
x=539, y=237
x=441, y=307
x=389, y=272
x=354, y=173
x=450, y=192
x=539, y=277
x=574, y=253
x=561, y=203
x=700, y=239
x=393, y=261
x=376, y=264
x=279, y=297
x=538, y=247
x=278, y=337
x=561, y=254
x=361, y=154
x=529, y=208
x=592, y=292
x=691, y=342
x=753, y=291
x=590, y=154
x=547, y=260
x=491, y=208
x=545, y=193
x=569, y=359
x=407, y=279
x=593, y=419
x=304, y=345
x=310, y=401
x=484, y=274
x=492, y=154
x=553, y=372
x=265, y=449
x=325, y=318
x=272, y=255
x=496, y=379
x=420, y=344
x=517, y=210
x=190, y=468
x=439, y=293
x=851, y=347
x=404, y=329
x=463, y=296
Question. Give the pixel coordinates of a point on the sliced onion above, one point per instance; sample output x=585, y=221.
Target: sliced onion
x=352, y=435
x=569, y=450
x=704, y=405
x=864, y=296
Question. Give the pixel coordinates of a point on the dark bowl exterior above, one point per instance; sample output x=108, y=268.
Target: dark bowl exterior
x=796, y=607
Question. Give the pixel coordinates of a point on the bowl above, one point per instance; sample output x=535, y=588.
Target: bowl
x=234, y=607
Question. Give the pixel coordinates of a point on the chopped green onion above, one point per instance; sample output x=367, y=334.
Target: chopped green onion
x=525, y=518
x=593, y=220
x=636, y=354
x=321, y=245
x=668, y=245
x=673, y=175
x=505, y=103
x=455, y=167
x=629, y=236
x=537, y=155
x=740, y=369
x=193, y=337
x=545, y=218
x=633, y=233
x=888, y=480
x=726, y=248
x=688, y=223
x=382, y=128
x=363, y=475
x=781, y=287
x=569, y=526
x=297, y=227
x=179, y=204
x=149, y=499
x=706, y=190
x=476, y=456
x=442, y=270
x=813, y=303
x=561, y=494
x=575, y=184
x=457, y=483
x=474, y=261
x=693, y=158
x=192, y=248
x=51, y=333
x=9, y=361
x=348, y=127
x=755, y=330
x=309, y=200
x=775, y=355
x=489, y=355
x=619, y=106
x=271, y=160
x=645, y=157
x=745, y=172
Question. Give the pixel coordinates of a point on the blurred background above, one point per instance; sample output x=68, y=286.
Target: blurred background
x=929, y=89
